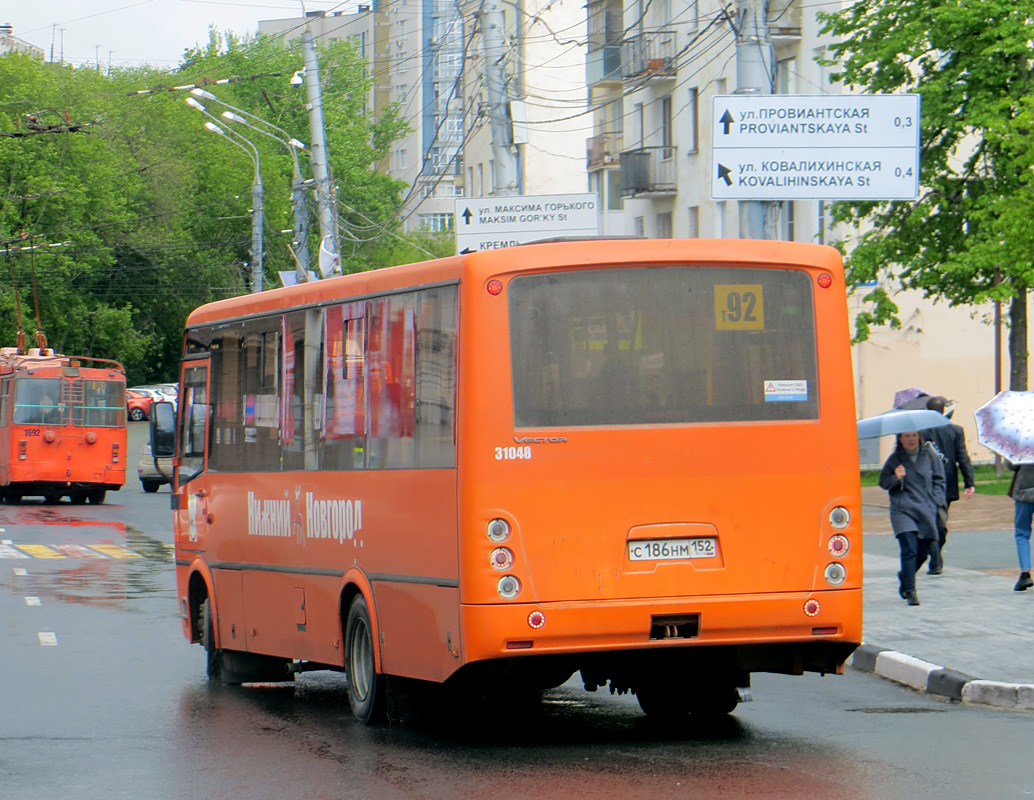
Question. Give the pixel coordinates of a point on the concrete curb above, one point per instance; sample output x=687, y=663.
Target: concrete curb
x=936, y=680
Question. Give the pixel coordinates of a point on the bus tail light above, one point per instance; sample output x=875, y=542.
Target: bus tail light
x=536, y=619
x=23, y=450
x=835, y=574
x=838, y=546
x=114, y=453
x=825, y=280
x=508, y=587
x=812, y=608
x=498, y=530
x=501, y=558
x=839, y=518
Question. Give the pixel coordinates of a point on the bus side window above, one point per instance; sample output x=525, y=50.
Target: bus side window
x=5, y=396
x=194, y=422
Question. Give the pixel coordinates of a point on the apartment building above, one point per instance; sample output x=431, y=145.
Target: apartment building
x=9, y=43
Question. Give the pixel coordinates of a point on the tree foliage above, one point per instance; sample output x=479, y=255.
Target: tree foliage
x=153, y=210
x=970, y=235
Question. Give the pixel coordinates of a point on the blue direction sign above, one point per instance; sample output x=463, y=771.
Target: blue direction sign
x=818, y=147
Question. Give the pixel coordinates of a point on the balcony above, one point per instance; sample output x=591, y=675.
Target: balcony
x=649, y=171
x=651, y=54
x=784, y=27
x=602, y=151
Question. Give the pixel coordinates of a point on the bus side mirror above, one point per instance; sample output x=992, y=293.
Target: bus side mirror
x=163, y=429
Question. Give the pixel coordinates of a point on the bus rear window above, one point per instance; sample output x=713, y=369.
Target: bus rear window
x=665, y=345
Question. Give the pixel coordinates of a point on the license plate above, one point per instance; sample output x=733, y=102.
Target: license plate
x=672, y=549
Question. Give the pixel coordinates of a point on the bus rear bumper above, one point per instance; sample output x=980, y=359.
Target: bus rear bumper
x=750, y=624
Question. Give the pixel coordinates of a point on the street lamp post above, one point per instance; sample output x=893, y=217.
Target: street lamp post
x=257, y=208
x=301, y=219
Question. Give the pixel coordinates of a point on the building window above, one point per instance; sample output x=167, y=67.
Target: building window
x=786, y=76
x=436, y=223
x=664, y=225
x=666, y=128
x=693, y=227
x=693, y=110
x=640, y=226
x=615, y=199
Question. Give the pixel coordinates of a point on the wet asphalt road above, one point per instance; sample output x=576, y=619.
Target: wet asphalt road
x=102, y=698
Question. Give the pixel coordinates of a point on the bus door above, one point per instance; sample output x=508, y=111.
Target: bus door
x=193, y=483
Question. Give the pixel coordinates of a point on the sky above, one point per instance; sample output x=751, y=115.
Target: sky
x=134, y=32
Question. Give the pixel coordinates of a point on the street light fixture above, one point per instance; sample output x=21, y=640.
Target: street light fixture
x=301, y=217
x=257, y=210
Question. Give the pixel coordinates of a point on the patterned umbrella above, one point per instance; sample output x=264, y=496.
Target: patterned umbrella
x=903, y=396
x=898, y=421
x=1005, y=425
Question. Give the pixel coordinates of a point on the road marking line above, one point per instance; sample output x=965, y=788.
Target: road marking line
x=114, y=551
x=6, y=551
x=39, y=551
x=47, y=638
x=33, y=601
x=6, y=541
x=20, y=572
x=76, y=551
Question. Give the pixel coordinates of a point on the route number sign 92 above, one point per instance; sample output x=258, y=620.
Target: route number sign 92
x=739, y=307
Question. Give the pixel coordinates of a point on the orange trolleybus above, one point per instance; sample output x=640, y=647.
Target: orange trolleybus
x=635, y=459
x=62, y=426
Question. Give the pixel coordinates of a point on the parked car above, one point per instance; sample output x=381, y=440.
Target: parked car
x=138, y=404
x=152, y=477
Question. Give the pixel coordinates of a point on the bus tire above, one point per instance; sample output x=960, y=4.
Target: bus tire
x=97, y=496
x=365, y=686
x=51, y=499
x=78, y=498
x=214, y=657
x=13, y=498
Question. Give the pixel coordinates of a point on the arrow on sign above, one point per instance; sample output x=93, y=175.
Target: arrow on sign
x=726, y=120
x=466, y=215
x=723, y=174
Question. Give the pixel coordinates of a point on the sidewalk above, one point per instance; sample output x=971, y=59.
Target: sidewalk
x=972, y=639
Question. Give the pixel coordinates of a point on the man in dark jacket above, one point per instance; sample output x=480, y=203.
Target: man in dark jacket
x=950, y=441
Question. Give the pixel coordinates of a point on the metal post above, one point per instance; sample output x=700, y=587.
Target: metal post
x=320, y=169
x=301, y=217
x=504, y=164
x=755, y=75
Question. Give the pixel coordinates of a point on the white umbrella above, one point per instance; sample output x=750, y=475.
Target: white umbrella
x=899, y=421
x=1005, y=425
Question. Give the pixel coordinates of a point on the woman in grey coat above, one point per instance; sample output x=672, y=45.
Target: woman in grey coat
x=914, y=478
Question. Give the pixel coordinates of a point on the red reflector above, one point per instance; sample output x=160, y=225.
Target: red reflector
x=519, y=645
x=494, y=287
x=824, y=631
x=825, y=280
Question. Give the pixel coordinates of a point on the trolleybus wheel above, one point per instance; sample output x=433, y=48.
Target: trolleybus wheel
x=51, y=499
x=658, y=701
x=365, y=686
x=78, y=498
x=97, y=496
x=214, y=656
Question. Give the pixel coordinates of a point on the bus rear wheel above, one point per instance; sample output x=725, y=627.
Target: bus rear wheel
x=97, y=496
x=206, y=626
x=78, y=498
x=365, y=686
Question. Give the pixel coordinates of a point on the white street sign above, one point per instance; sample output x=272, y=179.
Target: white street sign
x=818, y=147
x=490, y=223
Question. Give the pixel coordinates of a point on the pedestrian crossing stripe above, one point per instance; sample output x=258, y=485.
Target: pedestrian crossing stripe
x=55, y=551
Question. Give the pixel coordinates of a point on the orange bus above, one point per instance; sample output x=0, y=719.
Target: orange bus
x=62, y=426
x=635, y=459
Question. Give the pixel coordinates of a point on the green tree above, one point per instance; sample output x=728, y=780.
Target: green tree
x=969, y=237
